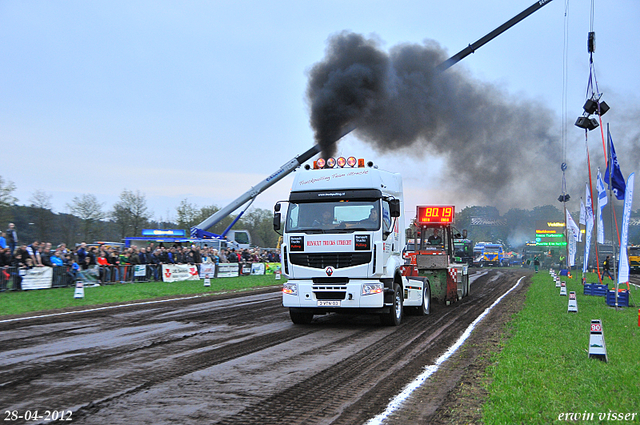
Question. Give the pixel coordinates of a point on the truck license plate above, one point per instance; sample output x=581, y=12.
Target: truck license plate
x=328, y=303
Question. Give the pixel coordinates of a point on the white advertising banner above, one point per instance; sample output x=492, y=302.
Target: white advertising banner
x=37, y=278
x=257, y=268
x=140, y=270
x=228, y=270
x=208, y=270
x=179, y=272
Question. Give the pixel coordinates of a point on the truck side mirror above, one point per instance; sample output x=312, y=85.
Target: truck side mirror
x=276, y=221
x=276, y=207
x=394, y=207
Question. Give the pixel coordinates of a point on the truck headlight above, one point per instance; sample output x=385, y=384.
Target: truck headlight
x=372, y=288
x=290, y=288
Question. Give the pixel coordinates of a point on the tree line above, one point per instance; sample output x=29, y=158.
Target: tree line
x=88, y=220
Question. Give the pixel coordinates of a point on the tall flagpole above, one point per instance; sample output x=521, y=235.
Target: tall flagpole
x=611, y=213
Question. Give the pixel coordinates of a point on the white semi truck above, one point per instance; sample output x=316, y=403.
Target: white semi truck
x=343, y=235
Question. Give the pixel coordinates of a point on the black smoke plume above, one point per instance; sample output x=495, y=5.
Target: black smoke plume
x=495, y=146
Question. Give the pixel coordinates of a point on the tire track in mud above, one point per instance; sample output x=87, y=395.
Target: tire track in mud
x=365, y=381
x=98, y=381
x=24, y=373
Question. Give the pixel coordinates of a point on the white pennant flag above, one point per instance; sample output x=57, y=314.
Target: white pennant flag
x=602, y=201
x=588, y=212
x=623, y=264
x=572, y=234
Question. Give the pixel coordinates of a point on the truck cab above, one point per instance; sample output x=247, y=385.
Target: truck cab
x=343, y=236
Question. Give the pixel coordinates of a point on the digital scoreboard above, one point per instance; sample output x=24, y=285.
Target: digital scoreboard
x=435, y=214
x=550, y=233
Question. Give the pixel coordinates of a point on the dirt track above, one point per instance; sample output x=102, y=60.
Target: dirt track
x=238, y=359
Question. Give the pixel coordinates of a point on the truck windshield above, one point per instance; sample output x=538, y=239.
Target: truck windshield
x=328, y=217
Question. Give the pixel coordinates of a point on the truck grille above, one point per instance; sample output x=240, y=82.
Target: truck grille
x=330, y=292
x=336, y=260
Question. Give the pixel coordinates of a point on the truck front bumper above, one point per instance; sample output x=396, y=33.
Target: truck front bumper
x=330, y=297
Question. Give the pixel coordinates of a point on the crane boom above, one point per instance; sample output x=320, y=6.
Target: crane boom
x=471, y=48
x=200, y=232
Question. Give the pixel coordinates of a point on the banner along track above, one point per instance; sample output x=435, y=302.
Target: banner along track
x=238, y=359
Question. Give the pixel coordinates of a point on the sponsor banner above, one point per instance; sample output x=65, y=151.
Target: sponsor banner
x=257, y=269
x=36, y=278
x=324, y=243
x=246, y=269
x=228, y=270
x=179, y=272
x=271, y=268
x=208, y=270
x=140, y=270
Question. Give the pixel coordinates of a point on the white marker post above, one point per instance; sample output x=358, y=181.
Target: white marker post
x=563, y=289
x=597, y=347
x=573, y=303
x=79, y=293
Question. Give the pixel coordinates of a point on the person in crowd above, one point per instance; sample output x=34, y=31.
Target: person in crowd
x=124, y=265
x=105, y=271
x=92, y=256
x=232, y=256
x=197, y=256
x=45, y=256
x=20, y=256
x=33, y=251
x=58, y=267
x=154, y=262
x=3, y=240
x=134, y=260
x=81, y=253
x=246, y=256
x=12, y=237
x=72, y=269
x=223, y=256
x=215, y=258
x=171, y=255
x=114, y=264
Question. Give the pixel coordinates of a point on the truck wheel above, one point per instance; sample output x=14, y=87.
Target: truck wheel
x=300, y=318
x=425, y=308
x=394, y=317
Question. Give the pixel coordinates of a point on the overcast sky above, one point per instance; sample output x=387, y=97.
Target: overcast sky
x=200, y=100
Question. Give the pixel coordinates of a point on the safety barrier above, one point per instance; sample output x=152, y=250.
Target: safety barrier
x=17, y=279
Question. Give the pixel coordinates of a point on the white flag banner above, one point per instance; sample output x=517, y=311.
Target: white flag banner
x=623, y=264
x=573, y=231
x=602, y=201
x=588, y=212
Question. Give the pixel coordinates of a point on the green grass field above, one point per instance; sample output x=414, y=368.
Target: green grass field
x=544, y=370
x=58, y=298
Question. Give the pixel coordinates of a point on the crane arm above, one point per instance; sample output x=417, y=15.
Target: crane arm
x=199, y=231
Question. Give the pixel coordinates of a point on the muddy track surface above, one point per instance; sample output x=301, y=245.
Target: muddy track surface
x=239, y=360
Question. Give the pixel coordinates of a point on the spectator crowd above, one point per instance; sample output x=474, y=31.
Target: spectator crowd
x=115, y=264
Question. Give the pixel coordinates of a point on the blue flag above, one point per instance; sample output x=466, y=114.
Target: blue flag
x=618, y=185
